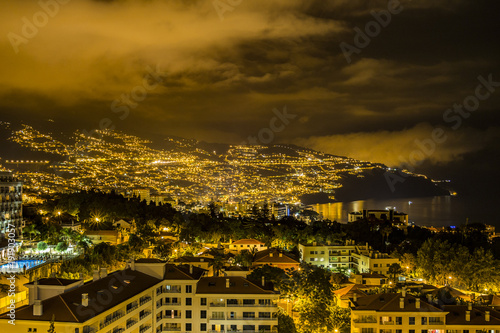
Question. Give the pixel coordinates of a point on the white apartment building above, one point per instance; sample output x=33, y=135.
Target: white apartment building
x=150, y=296
x=346, y=256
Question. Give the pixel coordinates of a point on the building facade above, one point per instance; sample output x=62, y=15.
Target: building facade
x=251, y=245
x=390, y=215
x=403, y=313
x=150, y=296
x=11, y=204
x=347, y=256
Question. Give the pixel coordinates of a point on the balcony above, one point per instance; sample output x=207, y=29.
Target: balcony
x=219, y=304
x=89, y=329
x=131, y=323
x=135, y=306
x=369, y=319
x=144, y=300
x=171, y=329
x=144, y=329
x=173, y=304
x=248, y=318
x=172, y=290
x=144, y=315
x=217, y=318
x=112, y=320
x=249, y=305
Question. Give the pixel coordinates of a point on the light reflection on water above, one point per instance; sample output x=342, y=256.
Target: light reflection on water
x=435, y=211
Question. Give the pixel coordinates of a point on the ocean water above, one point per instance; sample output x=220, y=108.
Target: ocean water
x=427, y=211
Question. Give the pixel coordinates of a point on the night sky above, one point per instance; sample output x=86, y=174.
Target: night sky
x=217, y=72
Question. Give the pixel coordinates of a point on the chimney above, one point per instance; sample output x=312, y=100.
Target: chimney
x=487, y=316
x=469, y=306
x=263, y=281
x=37, y=308
x=281, y=254
x=270, y=254
x=429, y=298
x=328, y=243
x=355, y=297
x=403, y=292
x=85, y=299
x=104, y=272
x=227, y=283
x=401, y=303
x=35, y=290
x=417, y=303
x=95, y=275
x=190, y=269
x=314, y=243
x=132, y=264
x=467, y=315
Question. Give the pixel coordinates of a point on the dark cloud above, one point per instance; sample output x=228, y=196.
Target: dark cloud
x=221, y=79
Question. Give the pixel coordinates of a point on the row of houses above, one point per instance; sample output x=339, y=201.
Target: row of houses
x=406, y=313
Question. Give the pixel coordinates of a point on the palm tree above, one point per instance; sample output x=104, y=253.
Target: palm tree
x=30, y=229
x=218, y=262
x=394, y=271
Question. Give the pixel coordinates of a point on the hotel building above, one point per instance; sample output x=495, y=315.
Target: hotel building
x=11, y=208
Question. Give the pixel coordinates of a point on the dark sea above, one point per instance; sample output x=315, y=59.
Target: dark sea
x=427, y=211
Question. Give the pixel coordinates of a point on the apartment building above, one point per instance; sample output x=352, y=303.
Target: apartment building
x=235, y=304
x=346, y=256
x=151, y=296
x=403, y=313
x=373, y=262
x=118, y=302
x=11, y=208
